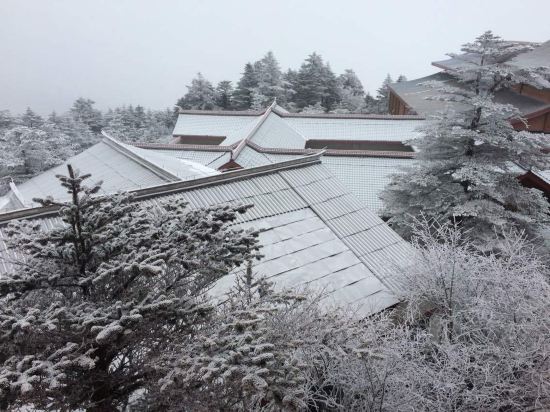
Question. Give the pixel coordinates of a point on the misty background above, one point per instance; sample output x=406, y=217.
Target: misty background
x=146, y=52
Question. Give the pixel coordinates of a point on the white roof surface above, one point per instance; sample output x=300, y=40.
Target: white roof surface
x=314, y=232
x=292, y=131
x=119, y=166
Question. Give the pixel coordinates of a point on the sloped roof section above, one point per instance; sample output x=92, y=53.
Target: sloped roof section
x=119, y=166
x=418, y=94
x=314, y=232
x=386, y=129
x=538, y=57
x=364, y=176
x=276, y=132
x=233, y=127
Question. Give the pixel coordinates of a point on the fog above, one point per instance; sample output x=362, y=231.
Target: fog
x=146, y=52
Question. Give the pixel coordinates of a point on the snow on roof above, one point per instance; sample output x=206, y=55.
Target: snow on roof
x=538, y=57
x=278, y=128
x=119, y=166
x=314, y=232
x=232, y=127
x=364, y=176
x=417, y=96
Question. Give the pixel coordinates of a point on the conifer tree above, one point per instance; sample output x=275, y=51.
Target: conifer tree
x=31, y=119
x=200, y=95
x=316, y=83
x=83, y=111
x=467, y=168
x=383, y=95
x=242, y=96
x=224, y=92
x=97, y=299
x=269, y=77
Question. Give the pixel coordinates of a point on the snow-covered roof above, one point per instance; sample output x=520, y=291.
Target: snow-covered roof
x=416, y=94
x=119, y=166
x=538, y=57
x=277, y=128
x=314, y=232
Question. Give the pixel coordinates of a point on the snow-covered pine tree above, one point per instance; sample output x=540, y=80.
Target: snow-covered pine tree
x=269, y=77
x=383, y=95
x=248, y=358
x=83, y=111
x=316, y=82
x=31, y=119
x=371, y=104
x=200, y=95
x=349, y=80
x=97, y=299
x=468, y=158
x=224, y=91
x=351, y=93
x=242, y=96
x=6, y=120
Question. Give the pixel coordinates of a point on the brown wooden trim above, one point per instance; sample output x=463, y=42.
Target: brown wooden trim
x=360, y=145
x=198, y=139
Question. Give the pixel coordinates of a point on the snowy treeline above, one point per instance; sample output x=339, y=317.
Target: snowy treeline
x=314, y=88
x=109, y=312
x=30, y=143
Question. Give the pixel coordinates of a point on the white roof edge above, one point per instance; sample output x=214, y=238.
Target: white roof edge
x=121, y=148
x=180, y=185
x=235, y=152
x=17, y=194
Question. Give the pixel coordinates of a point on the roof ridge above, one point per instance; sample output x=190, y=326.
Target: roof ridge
x=223, y=112
x=333, y=152
x=304, y=115
x=179, y=186
x=136, y=157
x=235, y=152
x=181, y=146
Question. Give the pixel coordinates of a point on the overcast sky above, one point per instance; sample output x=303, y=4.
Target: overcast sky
x=146, y=51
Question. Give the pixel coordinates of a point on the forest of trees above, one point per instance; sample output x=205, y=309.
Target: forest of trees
x=313, y=88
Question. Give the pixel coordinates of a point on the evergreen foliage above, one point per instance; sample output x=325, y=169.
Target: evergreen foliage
x=102, y=295
x=467, y=168
x=262, y=82
x=200, y=95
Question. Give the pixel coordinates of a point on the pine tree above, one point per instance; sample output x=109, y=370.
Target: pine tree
x=316, y=83
x=83, y=111
x=6, y=120
x=383, y=95
x=401, y=78
x=290, y=81
x=200, y=95
x=242, y=96
x=349, y=81
x=224, y=92
x=269, y=77
x=371, y=104
x=31, y=119
x=98, y=298
x=467, y=158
